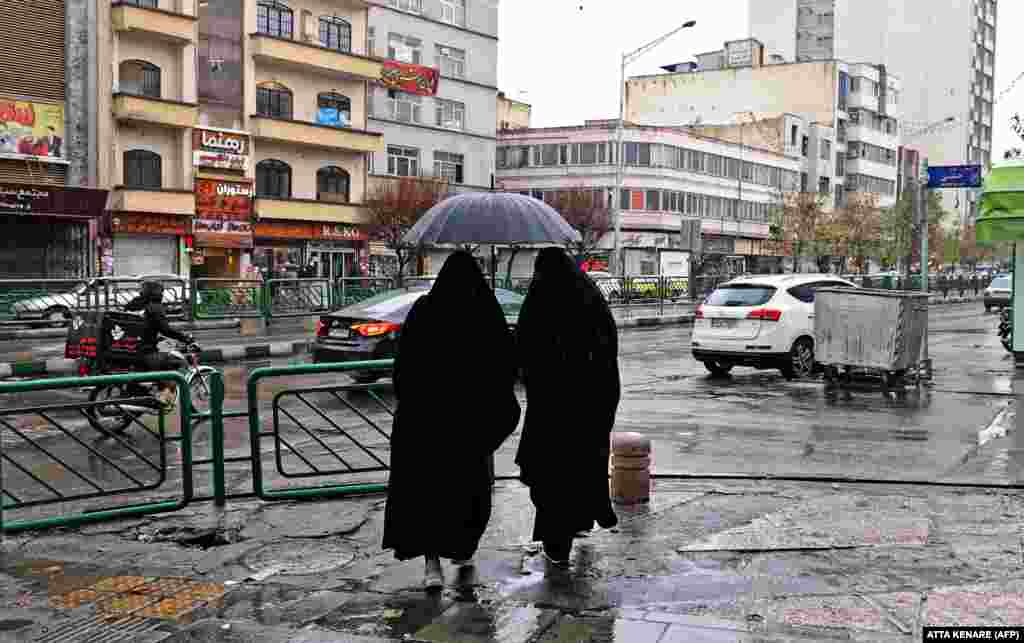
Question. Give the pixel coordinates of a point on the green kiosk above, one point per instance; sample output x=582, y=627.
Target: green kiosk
x=1001, y=218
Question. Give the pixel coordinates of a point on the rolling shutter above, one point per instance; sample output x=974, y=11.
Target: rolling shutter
x=33, y=49
x=12, y=171
x=138, y=254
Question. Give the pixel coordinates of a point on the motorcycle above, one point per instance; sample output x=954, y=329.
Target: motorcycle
x=121, y=404
x=1006, y=329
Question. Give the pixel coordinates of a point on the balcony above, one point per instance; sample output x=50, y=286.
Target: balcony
x=159, y=111
x=180, y=202
x=305, y=56
x=313, y=135
x=309, y=210
x=166, y=25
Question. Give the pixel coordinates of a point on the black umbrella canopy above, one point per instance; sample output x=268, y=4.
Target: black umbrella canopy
x=487, y=218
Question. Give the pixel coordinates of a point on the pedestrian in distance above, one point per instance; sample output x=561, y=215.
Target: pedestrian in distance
x=567, y=343
x=456, y=405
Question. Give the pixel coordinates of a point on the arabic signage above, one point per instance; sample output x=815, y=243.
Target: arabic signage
x=168, y=224
x=342, y=231
x=30, y=130
x=954, y=176
x=221, y=150
x=23, y=198
x=409, y=78
x=223, y=214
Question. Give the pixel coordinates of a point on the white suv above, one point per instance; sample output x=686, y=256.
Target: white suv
x=764, y=321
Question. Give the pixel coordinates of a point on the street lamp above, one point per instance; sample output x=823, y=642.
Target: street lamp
x=619, y=158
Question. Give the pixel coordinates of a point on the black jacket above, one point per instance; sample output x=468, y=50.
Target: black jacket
x=156, y=324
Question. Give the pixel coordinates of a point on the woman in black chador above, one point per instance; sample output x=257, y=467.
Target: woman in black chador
x=568, y=348
x=454, y=377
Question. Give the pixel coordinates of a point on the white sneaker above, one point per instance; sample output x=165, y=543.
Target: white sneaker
x=432, y=577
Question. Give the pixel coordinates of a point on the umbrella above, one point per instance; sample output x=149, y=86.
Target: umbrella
x=491, y=218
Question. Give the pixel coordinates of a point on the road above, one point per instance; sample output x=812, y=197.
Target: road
x=750, y=423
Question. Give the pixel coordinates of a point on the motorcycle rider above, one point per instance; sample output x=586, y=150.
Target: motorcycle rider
x=151, y=302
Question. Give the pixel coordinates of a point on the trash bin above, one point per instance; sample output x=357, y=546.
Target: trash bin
x=879, y=331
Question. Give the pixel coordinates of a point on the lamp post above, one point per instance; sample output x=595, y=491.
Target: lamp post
x=619, y=160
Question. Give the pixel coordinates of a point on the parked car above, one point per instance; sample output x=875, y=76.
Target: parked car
x=997, y=295
x=100, y=292
x=370, y=329
x=763, y=321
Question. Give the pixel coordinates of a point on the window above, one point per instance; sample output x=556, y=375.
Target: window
x=273, y=179
x=407, y=5
x=448, y=166
x=653, y=199
x=403, y=161
x=149, y=4
x=454, y=12
x=274, y=100
x=274, y=19
x=513, y=157
x=142, y=169
x=824, y=185
x=335, y=33
x=840, y=164
x=588, y=153
x=406, y=108
x=803, y=146
x=840, y=195
x=334, y=109
x=451, y=61
x=549, y=155
x=332, y=184
x=793, y=132
x=405, y=49
x=451, y=114
x=140, y=78
x=826, y=149
x=371, y=41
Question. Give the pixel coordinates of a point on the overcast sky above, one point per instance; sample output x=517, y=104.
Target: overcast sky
x=562, y=56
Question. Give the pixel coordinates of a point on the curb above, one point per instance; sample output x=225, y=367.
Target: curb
x=46, y=333
x=650, y=322
x=61, y=366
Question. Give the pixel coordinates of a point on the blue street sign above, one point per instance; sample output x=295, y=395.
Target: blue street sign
x=954, y=176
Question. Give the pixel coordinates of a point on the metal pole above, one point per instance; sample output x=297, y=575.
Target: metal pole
x=217, y=436
x=926, y=362
x=618, y=264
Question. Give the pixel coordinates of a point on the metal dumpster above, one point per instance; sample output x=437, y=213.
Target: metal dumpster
x=879, y=331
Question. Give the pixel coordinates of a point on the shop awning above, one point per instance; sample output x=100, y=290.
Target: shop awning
x=1001, y=208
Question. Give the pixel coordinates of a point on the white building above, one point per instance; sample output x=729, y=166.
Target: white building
x=451, y=134
x=841, y=120
x=943, y=50
x=671, y=174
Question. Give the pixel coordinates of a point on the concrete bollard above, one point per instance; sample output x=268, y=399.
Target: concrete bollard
x=631, y=468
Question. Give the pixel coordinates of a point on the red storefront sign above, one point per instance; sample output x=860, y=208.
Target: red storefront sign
x=409, y=78
x=223, y=213
x=169, y=224
x=221, y=150
x=342, y=231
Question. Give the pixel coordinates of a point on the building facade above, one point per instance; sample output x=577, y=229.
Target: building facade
x=831, y=115
x=512, y=114
x=671, y=175
x=236, y=140
x=50, y=209
x=955, y=79
x=450, y=135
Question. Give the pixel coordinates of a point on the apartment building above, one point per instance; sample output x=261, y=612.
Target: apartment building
x=944, y=50
x=841, y=120
x=671, y=175
x=238, y=137
x=451, y=135
x=50, y=209
x=512, y=114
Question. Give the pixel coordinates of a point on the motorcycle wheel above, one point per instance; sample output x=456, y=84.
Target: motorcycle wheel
x=109, y=419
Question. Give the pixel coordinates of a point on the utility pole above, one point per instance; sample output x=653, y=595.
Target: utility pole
x=926, y=362
x=908, y=259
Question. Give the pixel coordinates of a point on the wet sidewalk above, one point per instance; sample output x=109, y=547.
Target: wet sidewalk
x=703, y=561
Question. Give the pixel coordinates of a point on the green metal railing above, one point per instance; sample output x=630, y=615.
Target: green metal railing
x=60, y=466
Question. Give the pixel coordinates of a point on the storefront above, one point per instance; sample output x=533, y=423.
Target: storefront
x=222, y=229
x=147, y=244
x=49, y=232
x=279, y=250
x=340, y=250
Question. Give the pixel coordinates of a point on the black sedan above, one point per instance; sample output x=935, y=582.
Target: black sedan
x=369, y=330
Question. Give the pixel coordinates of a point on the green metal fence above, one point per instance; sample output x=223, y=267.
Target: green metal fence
x=48, y=461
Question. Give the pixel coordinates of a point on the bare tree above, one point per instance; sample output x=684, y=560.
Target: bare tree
x=853, y=229
x=799, y=221
x=394, y=207
x=586, y=210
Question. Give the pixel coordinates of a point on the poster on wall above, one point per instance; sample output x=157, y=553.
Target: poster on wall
x=220, y=150
x=223, y=214
x=31, y=130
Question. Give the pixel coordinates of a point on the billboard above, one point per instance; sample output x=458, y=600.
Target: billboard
x=220, y=150
x=223, y=214
x=30, y=129
x=409, y=78
x=954, y=176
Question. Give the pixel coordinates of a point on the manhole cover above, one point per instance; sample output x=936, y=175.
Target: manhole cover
x=298, y=558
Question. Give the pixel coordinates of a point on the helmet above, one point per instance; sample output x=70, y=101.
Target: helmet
x=152, y=291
